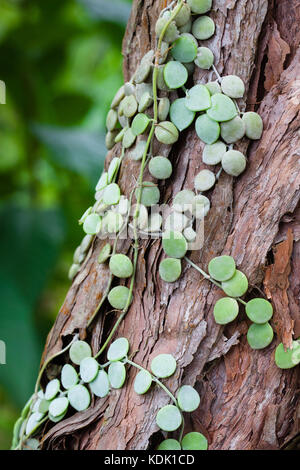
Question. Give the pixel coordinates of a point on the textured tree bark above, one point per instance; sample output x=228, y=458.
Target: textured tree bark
x=246, y=401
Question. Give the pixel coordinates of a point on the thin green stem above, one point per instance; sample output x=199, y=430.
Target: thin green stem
x=140, y=179
x=20, y=445
x=106, y=292
x=51, y=359
x=207, y=276
x=163, y=387
x=154, y=379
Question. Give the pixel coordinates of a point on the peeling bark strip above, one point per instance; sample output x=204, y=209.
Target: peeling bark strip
x=247, y=402
x=276, y=284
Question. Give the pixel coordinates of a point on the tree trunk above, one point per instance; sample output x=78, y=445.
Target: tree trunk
x=246, y=401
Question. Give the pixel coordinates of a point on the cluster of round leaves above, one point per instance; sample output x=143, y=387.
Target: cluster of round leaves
x=235, y=284
x=84, y=377
x=179, y=234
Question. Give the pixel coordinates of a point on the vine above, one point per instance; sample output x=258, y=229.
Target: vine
x=219, y=124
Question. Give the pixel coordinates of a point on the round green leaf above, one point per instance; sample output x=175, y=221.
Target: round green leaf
x=204, y=180
x=226, y=310
x=184, y=49
x=78, y=351
x=33, y=422
x=44, y=406
x=160, y=167
x=260, y=336
x=129, y=106
x=233, y=130
x=144, y=68
x=111, y=194
x=259, y=310
x=203, y=28
x=88, y=369
x=194, y=441
x=161, y=84
x=201, y=206
x=140, y=124
x=57, y=418
x=205, y=58
x=111, y=119
x=155, y=221
x=121, y=266
x=184, y=200
x=169, y=418
x=174, y=244
x=163, y=108
x=79, y=397
x=86, y=243
x=163, y=365
x=120, y=135
x=116, y=374
x=166, y=133
x=254, y=125
x=84, y=216
x=170, y=269
x=128, y=138
x=200, y=6
x=118, y=349
x=52, y=389
x=169, y=444
x=113, y=168
x=118, y=297
x=110, y=139
x=236, y=286
x=207, y=129
x=92, y=224
x=150, y=194
x=198, y=98
x=222, y=108
x=180, y=115
x=142, y=382
x=233, y=86
x=234, y=162
x=58, y=406
x=175, y=74
x=171, y=32
x=222, y=268
x=118, y=97
x=104, y=253
x=183, y=15
x=145, y=102
x=213, y=87
x=296, y=356
x=69, y=376
x=112, y=222
x=138, y=151
x=212, y=154
x=283, y=358
x=100, y=385
x=188, y=398
x=74, y=269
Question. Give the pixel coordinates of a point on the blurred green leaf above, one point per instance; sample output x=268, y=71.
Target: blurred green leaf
x=80, y=151
x=29, y=246
x=113, y=10
x=70, y=108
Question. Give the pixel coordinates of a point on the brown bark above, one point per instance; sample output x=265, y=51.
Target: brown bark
x=246, y=401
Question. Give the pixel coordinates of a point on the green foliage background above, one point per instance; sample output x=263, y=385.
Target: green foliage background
x=61, y=62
